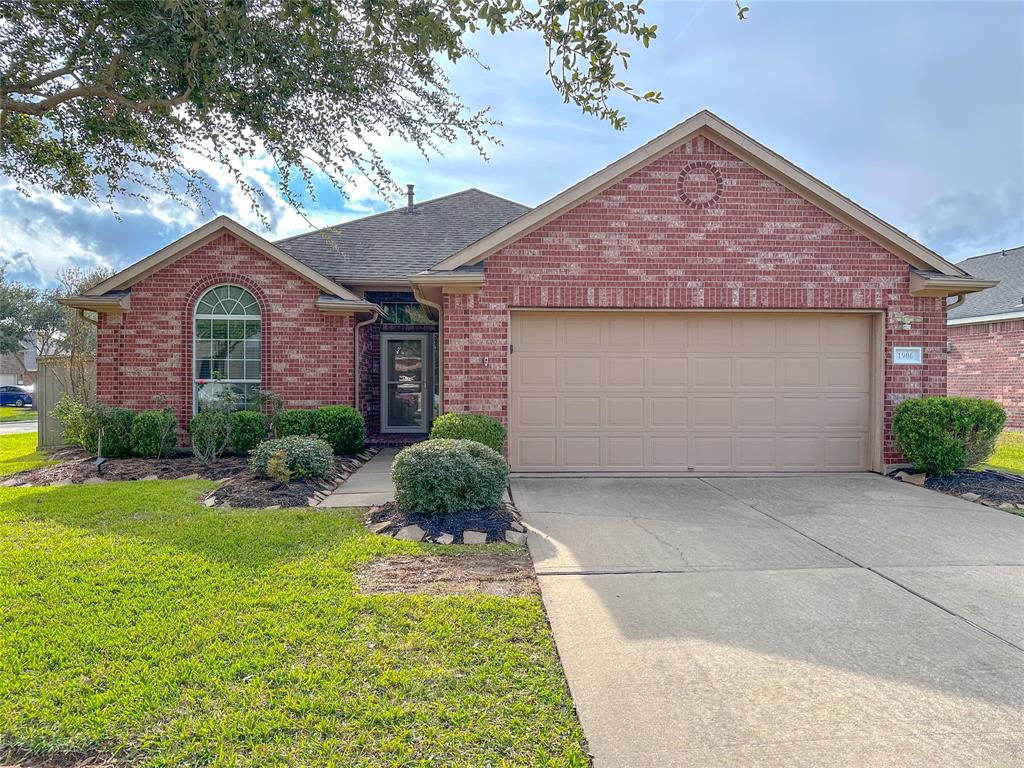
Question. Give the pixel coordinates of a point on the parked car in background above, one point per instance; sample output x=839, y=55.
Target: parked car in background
x=14, y=395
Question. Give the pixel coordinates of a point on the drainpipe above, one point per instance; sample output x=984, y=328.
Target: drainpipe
x=960, y=299
x=358, y=359
x=440, y=342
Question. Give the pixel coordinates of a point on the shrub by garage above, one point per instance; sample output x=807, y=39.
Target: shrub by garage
x=470, y=426
x=446, y=476
x=941, y=435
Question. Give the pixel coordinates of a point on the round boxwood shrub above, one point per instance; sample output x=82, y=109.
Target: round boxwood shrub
x=470, y=426
x=940, y=435
x=154, y=433
x=444, y=476
x=307, y=456
x=340, y=425
x=293, y=422
x=248, y=429
x=116, y=427
x=211, y=432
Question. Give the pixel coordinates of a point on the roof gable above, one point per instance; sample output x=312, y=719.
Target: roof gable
x=743, y=147
x=209, y=231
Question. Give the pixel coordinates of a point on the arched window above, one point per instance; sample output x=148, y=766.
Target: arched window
x=227, y=349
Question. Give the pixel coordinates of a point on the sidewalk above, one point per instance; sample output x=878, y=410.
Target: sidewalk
x=369, y=485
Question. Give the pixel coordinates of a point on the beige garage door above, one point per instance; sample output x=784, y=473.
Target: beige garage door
x=646, y=391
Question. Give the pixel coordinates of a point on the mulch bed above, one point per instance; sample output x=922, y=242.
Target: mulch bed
x=993, y=487
x=505, y=574
x=494, y=522
x=239, y=488
x=247, y=490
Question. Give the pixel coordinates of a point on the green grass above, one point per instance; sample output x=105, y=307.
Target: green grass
x=1009, y=455
x=9, y=413
x=139, y=624
x=18, y=452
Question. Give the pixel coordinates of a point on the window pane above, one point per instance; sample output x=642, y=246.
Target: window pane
x=252, y=328
x=203, y=329
x=220, y=329
x=252, y=348
x=405, y=405
x=203, y=349
x=252, y=369
x=236, y=369
x=219, y=366
x=236, y=350
x=236, y=329
x=203, y=369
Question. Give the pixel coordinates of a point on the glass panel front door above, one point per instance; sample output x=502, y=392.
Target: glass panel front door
x=406, y=382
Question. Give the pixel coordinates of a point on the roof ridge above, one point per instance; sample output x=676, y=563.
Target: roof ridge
x=402, y=209
x=993, y=253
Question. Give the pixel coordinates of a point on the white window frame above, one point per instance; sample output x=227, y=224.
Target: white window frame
x=196, y=316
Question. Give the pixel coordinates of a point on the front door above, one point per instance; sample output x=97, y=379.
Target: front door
x=406, y=382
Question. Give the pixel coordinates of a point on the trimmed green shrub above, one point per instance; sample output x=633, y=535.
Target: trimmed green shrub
x=340, y=425
x=940, y=435
x=154, y=433
x=70, y=412
x=211, y=432
x=293, y=422
x=107, y=431
x=307, y=456
x=248, y=429
x=443, y=476
x=470, y=426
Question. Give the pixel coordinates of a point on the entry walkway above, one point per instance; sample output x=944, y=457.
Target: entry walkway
x=369, y=485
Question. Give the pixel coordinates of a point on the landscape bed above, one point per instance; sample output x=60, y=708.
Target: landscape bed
x=142, y=628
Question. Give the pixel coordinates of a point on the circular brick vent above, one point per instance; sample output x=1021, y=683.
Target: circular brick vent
x=700, y=185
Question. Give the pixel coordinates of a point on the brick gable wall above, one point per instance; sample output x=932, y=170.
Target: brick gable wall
x=637, y=245
x=147, y=352
x=987, y=360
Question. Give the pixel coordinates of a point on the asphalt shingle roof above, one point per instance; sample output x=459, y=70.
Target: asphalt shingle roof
x=396, y=244
x=1005, y=266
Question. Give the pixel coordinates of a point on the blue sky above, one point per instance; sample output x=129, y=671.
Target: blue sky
x=914, y=110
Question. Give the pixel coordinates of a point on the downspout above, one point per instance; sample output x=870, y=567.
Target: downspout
x=960, y=299
x=440, y=342
x=358, y=359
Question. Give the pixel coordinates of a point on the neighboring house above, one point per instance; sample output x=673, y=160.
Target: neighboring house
x=986, y=335
x=700, y=304
x=20, y=368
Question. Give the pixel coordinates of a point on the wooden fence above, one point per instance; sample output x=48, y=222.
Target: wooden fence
x=56, y=376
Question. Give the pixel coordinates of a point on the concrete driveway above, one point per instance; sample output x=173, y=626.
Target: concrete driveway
x=826, y=620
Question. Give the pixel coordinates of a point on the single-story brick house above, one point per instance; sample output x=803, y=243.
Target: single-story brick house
x=701, y=304
x=986, y=335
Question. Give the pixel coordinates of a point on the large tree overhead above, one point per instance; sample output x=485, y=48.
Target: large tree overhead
x=106, y=97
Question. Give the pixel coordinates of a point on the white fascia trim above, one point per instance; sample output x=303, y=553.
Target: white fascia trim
x=1002, y=317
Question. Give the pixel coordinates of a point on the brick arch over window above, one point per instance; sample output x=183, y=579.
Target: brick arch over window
x=266, y=328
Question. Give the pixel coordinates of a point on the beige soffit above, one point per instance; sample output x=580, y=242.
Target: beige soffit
x=210, y=230
x=936, y=284
x=745, y=148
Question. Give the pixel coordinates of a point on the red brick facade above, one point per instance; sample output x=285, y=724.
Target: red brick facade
x=147, y=352
x=753, y=244
x=987, y=360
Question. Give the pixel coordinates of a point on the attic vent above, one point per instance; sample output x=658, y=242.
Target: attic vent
x=700, y=184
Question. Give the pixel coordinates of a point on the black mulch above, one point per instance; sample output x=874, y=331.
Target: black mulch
x=247, y=490
x=494, y=522
x=995, y=487
x=240, y=487
x=77, y=466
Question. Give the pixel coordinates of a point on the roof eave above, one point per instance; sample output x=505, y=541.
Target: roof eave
x=330, y=305
x=933, y=284
x=999, y=317
x=109, y=304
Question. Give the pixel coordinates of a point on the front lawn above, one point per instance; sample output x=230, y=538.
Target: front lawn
x=18, y=452
x=1009, y=455
x=141, y=626
x=10, y=413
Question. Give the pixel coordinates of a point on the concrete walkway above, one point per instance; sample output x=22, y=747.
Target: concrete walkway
x=833, y=620
x=18, y=427
x=370, y=484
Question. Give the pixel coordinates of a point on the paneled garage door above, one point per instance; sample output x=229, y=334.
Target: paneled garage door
x=647, y=391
